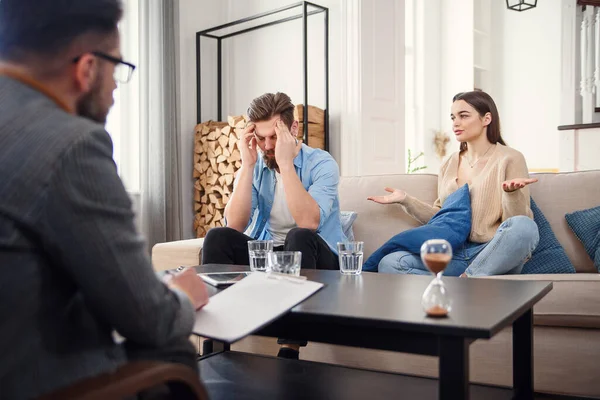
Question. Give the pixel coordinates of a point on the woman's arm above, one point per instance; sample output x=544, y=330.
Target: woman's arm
x=420, y=210
x=414, y=207
x=515, y=190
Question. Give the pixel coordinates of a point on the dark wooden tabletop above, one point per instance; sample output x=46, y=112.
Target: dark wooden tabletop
x=480, y=308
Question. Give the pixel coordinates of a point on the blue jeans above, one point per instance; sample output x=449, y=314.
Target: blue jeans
x=506, y=253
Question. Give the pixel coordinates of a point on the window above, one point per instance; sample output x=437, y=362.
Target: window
x=123, y=120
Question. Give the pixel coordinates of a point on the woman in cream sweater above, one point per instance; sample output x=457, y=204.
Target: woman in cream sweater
x=503, y=233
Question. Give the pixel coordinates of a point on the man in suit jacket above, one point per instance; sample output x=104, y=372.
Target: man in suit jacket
x=74, y=269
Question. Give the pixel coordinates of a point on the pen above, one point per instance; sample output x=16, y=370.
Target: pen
x=171, y=272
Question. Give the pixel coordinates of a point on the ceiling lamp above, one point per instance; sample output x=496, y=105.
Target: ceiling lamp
x=520, y=5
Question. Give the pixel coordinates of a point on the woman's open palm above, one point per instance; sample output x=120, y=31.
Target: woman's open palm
x=516, y=184
x=395, y=196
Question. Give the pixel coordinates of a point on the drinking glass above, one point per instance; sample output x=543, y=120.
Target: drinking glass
x=257, y=252
x=436, y=254
x=351, y=257
x=285, y=262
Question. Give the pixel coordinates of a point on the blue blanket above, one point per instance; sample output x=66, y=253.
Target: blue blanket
x=452, y=223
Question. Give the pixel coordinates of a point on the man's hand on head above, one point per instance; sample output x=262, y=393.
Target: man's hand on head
x=247, y=146
x=287, y=146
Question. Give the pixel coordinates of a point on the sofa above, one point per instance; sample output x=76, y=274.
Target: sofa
x=566, y=321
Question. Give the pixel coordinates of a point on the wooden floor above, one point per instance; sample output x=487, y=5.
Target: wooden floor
x=234, y=375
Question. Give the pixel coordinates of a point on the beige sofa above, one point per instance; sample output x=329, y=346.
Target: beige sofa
x=567, y=320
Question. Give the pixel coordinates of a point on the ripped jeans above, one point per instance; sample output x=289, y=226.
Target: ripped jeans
x=506, y=253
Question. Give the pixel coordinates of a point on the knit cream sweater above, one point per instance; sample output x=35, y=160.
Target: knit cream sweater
x=490, y=204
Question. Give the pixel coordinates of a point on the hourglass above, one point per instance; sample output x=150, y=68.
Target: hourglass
x=436, y=255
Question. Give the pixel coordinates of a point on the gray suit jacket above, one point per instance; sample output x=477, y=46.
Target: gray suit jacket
x=73, y=267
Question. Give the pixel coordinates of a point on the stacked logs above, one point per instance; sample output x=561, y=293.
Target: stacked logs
x=316, y=125
x=216, y=160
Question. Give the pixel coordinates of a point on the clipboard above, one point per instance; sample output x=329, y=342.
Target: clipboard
x=250, y=304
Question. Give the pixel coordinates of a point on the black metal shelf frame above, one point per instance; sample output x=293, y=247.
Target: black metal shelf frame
x=210, y=33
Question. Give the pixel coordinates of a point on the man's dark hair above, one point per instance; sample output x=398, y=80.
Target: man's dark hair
x=268, y=105
x=47, y=27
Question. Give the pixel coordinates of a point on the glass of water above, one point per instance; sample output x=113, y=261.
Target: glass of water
x=257, y=252
x=351, y=257
x=285, y=262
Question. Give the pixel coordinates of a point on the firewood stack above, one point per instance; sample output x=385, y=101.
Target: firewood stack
x=316, y=125
x=216, y=160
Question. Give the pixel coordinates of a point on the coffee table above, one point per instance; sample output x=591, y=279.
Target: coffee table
x=382, y=311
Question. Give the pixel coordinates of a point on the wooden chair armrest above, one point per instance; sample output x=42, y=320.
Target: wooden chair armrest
x=133, y=378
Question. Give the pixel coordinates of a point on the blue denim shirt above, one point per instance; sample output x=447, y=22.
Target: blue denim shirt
x=320, y=176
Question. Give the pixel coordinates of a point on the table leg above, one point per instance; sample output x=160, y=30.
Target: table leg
x=214, y=346
x=454, y=368
x=523, y=356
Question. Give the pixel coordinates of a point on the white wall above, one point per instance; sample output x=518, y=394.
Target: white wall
x=579, y=149
x=270, y=60
x=526, y=54
x=427, y=70
x=456, y=57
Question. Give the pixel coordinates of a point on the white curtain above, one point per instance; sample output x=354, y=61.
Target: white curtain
x=160, y=175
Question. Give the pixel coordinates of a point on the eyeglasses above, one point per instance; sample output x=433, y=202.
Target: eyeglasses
x=123, y=69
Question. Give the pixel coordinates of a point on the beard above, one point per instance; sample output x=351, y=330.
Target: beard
x=90, y=105
x=269, y=159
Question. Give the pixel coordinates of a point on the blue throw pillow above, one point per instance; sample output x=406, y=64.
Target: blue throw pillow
x=549, y=256
x=347, y=219
x=452, y=223
x=585, y=224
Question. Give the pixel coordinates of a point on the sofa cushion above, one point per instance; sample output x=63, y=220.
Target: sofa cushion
x=574, y=300
x=549, y=257
x=562, y=193
x=347, y=219
x=452, y=223
x=586, y=226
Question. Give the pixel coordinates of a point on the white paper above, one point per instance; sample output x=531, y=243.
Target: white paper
x=250, y=304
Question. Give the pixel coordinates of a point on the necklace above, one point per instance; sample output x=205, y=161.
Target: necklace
x=478, y=158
